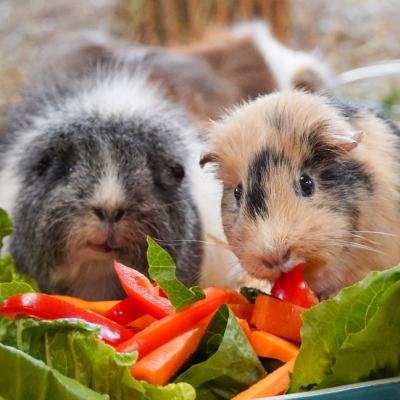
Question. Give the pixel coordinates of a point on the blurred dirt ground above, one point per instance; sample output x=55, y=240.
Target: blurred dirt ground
x=348, y=34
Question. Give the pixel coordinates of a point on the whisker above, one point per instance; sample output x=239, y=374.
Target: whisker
x=377, y=233
x=219, y=241
x=368, y=240
x=361, y=246
x=171, y=241
x=188, y=199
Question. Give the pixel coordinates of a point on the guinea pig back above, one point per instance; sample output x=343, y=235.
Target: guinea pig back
x=309, y=180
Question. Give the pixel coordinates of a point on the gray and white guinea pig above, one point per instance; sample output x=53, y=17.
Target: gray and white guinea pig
x=103, y=150
x=96, y=157
x=309, y=180
x=88, y=169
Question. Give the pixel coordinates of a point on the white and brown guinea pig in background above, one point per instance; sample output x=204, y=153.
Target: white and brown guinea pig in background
x=103, y=150
x=309, y=180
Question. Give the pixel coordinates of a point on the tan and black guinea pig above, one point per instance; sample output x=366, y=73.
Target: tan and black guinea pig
x=309, y=180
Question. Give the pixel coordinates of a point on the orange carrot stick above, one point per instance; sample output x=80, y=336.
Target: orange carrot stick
x=273, y=384
x=171, y=326
x=243, y=311
x=271, y=346
x=245, y=327
x=161, y=364
x=141, y=322
x=278, y=317
x=236, y=298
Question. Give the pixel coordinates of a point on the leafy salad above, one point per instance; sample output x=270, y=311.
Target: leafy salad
x=352, y=338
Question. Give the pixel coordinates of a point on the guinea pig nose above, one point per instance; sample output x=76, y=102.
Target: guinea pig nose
x=111, y=216
x=100, y=213
x=276, y=260
x=117, y=214
x=266, y=263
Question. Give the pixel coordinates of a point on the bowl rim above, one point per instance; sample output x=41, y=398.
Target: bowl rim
x=336, y=389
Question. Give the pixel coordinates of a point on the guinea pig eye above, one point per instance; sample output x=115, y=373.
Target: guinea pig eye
x=238, y=194
x=306, y=185
x=178, y=171
x=43, y=165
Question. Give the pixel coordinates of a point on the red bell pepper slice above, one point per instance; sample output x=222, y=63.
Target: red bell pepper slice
x=164, y=330
x=159, y=290
x=139, y=288
x=125, y=311
x=44, y=306
x=292, y=287
x=99, y=307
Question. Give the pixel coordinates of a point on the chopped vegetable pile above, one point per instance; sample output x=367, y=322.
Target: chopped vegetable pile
x=166, y=341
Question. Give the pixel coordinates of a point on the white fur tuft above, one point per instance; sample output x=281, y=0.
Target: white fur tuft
x=284, y=62
x=109, y=192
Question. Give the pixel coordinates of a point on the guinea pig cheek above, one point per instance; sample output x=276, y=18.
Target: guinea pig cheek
x=294, y=232
x=313, y=232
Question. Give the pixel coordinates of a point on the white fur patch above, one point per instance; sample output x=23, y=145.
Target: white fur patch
x=284, y=62
x=121, y=94
x=109, y=192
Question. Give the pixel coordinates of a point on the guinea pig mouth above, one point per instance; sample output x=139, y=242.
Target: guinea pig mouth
x=101, y=248
x=271, y=275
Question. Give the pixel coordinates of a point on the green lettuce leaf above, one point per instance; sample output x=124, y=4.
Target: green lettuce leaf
x=23, y=377
x=353, y=337
x=7, y=268
x=11, y=288
x=252, y=293
x=162, y=270
x=225, y=363
x=176, y=391
x=362, y=357
x=9, y=274
x=6, y=226
x=70, y=347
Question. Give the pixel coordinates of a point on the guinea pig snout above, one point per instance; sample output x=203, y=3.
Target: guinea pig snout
x=104, y=237
x=103, y=241
x=111, y=216
x=276, y=259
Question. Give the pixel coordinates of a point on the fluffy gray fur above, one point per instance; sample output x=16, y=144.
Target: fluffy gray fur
x=61, y=142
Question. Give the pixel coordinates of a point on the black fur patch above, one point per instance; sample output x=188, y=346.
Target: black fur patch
x=351, y=110
x=344, y=179
x=345, y=108
x=255, y=196
x=393, y=126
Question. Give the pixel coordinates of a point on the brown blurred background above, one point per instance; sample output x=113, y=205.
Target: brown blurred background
x=348, y=34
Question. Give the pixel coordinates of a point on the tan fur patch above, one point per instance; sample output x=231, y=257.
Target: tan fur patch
x=233, y=70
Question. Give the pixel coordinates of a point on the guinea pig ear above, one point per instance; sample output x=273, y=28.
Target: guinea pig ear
x=348, y=142
x=208, y=158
